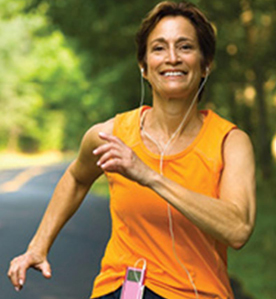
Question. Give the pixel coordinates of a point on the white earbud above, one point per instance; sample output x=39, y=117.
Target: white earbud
x=207, y=70
x=142, y=70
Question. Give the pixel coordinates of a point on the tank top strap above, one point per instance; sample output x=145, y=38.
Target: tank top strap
x=127, y=125
x=211, y=142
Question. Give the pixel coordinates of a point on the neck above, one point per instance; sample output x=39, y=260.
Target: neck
x=168, y=114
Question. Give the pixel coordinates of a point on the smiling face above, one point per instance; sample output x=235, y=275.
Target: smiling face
x=173, y=58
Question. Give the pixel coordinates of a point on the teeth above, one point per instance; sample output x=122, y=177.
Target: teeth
x=173, y=74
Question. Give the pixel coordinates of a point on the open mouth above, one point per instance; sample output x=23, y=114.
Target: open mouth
x=173, y=73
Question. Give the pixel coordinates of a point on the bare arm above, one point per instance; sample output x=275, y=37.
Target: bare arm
x=67, y=197
x=229, y=219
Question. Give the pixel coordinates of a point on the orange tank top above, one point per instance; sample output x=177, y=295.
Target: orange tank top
x=140, y=224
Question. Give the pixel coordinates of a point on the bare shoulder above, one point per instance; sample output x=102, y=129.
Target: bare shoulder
x=238, y=155
x=84, y=168
x=91, y=137
x=238, y=135
x=238, y=144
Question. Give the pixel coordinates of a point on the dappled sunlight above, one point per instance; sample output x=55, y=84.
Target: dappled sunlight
x=249, y=95
x=273, y=147
x=17, y=160
x=232, y=49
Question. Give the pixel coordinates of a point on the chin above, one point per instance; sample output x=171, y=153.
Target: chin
x=173, y=93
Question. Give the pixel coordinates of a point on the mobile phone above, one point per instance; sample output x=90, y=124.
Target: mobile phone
x=133, y=287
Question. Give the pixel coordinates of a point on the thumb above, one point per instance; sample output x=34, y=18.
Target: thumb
x=46, y=270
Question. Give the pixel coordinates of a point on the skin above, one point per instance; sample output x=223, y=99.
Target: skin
x=172, y=45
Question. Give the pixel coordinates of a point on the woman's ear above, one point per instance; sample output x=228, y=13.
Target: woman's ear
x=206, y=71
x=142, y=70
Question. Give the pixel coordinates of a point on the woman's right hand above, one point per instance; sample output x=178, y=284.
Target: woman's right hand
x=19, y=266
x=67, y=197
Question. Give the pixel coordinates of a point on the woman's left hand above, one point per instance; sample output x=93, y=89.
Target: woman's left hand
x=118, y=157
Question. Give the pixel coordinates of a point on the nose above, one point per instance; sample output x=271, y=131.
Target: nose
x=172, y=56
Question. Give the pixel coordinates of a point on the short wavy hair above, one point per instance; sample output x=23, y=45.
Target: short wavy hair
x=204, y=30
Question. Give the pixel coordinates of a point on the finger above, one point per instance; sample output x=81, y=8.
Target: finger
x=45, y=268
x=105, y=136
x=14, y=277
x=12, y=273
x=112, y=165
x=21, y=276
x=110, y=138
x=103, y=148
x=112, y=154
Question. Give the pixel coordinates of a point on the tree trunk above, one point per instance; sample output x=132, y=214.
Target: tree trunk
x=13, y=139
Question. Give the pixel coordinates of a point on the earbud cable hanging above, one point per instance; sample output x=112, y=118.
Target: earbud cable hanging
x=162, y=153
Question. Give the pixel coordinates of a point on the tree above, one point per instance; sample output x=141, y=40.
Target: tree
x=241, y=87
x=41, y=78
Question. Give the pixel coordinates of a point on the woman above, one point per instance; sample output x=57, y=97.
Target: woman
x=181, y=180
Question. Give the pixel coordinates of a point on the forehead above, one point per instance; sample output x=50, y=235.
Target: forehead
x=173, y=28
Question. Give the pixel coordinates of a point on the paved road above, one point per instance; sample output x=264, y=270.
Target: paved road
x=76, y=254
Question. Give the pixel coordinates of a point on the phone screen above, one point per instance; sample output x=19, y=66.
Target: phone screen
x=133, y=275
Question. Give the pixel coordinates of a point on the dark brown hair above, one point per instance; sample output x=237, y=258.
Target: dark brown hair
x=204, y=30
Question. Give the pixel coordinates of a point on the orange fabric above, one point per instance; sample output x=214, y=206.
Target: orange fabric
x=140, y=227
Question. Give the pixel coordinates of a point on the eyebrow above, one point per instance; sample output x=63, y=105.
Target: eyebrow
x=162, y=40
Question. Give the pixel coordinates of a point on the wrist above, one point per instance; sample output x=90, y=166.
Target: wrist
x=37, y=248
x=150, y=179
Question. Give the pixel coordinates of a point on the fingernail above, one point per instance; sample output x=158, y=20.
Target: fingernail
x=17, y=289
x=101, y=133
x=95, y=151
x=21, y=282
x=98, y=163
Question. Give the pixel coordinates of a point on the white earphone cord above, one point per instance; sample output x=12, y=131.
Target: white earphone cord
x=142, y=88
x=162, y=153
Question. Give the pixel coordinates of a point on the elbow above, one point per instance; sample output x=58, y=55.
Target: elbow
x=237, y=245
x=240, y=237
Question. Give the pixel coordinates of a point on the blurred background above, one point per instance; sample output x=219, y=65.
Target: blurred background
x=68, y=64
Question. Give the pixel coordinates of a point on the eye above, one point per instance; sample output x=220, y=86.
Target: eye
x=158, y=48
x=186, y=47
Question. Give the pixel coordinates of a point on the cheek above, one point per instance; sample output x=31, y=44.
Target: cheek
x=194, y=60
x=199, y=61
x=153, y=64
x=153, y=61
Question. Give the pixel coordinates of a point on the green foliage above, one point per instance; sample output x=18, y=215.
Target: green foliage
x=68, y=64
x=17, y=101
x=78, y=57
x=41, y=82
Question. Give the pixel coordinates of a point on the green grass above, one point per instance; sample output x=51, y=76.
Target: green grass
x=255, y=265
x=100, y=187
